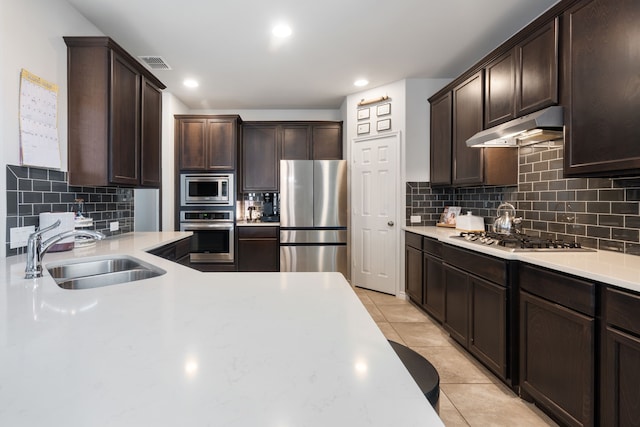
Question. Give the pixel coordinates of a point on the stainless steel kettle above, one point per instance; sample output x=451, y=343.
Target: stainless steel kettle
x=506, y=223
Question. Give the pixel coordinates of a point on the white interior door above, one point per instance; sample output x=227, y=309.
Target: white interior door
x=374, y=203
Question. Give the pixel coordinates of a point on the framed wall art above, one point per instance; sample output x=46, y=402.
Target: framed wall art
x=383, y=124
x=364, y=128
x=384, y=109
x=363, y=113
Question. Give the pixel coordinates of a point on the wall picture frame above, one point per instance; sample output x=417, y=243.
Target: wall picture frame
x=364, y=128
x=383, y=125
x=363, y=113
x=383, y=109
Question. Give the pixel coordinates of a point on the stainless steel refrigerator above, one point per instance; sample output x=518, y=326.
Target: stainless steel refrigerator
x=313, y=215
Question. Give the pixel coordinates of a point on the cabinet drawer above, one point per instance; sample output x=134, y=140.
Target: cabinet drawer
x=492, y=269
x=257, y=232
x=565, y=290
x=413, y=240
x=432, y=246
x=622, y=309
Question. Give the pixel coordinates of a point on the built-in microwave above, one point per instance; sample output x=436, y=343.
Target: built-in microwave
x=206, y=189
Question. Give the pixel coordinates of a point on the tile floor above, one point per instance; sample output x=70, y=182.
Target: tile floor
x=470, y=395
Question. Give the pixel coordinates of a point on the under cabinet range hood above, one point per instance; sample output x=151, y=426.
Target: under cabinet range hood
x=541, y=126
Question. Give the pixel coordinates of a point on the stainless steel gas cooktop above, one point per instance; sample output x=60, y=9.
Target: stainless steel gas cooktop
x=517, y=242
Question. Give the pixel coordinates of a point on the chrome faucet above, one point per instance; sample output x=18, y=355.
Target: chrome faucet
x=36, y=248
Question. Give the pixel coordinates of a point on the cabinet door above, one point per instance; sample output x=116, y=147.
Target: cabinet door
x=260, y=158
x=221, y=144
x=468, y=116
x=124, y=155
x=192, y=143
x=456, y=313
x=557, y=359
x=537, y=70
x=621, y=379
x=434, y=287
x=258, y=249
x=326, y=142
x=601, y=63
x=440, y=141
x=413, y=273
x=296, y=140
x=500, y=79
x=151, y=138
x=487, y=337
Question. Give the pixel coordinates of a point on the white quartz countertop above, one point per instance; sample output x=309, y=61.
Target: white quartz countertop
x=192, y=349
x=603, y=266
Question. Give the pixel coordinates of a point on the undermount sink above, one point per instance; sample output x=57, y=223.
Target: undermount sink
x=104, y=271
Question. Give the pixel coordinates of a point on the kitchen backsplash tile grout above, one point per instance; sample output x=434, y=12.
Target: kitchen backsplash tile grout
x=601, y=213
x=31, y=191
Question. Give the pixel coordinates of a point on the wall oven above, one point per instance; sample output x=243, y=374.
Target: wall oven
x=213, y=235
x=205, y=189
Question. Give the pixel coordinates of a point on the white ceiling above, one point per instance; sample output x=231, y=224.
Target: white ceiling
x=227, y=45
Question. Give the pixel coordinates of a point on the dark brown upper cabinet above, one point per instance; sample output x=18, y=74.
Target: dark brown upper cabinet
x=467, y=168
x=537, y=69
x=455, y=117
x=500, y=102
x=114, y=114
x=601, y=88
x=264, y=144
x=440, y=140
x=151, y=136
x=207, y=143
x=260, y=157
x=326, y=141
x=296, y=142
x=524, y=79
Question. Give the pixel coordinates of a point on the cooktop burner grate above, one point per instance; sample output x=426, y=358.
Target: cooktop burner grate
x=521, y=242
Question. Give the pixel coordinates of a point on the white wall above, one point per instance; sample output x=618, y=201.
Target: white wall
x=417, y=130
x=397, y=97
x=31, y=37
x=170, y=106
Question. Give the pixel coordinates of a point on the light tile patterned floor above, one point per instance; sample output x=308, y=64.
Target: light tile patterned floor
x=470, y=395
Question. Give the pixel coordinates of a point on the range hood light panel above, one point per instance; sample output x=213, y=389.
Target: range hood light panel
x=541, y=126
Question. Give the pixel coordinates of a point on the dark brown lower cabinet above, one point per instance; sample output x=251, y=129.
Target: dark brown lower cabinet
x=413, y=273
x=620, y=368
x=487, y=337
x=476, y=307
x=621, y=379
x=456, y=310
x=434, y=288
x=557, y=344
x=258, y=248
x=174, y=251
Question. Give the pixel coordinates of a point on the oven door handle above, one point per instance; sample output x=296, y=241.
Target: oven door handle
x=185, y=226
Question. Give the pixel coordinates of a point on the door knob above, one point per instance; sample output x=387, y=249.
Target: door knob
x=390, y=223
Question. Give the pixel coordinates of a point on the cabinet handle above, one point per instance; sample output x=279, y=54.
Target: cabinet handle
x=390, y=223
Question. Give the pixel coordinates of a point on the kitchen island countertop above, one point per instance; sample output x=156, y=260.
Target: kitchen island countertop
x=608, y=267
x=193, y=348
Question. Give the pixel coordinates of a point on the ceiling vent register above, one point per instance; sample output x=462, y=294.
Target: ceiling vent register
x=155, y=62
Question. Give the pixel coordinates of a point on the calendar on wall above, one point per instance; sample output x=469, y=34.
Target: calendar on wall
x=39, y=145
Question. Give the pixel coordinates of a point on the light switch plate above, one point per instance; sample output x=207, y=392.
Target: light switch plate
x=415, y=219
x=114, y=226
x=18, y=236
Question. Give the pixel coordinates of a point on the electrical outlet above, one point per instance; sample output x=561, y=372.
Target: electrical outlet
x=415, y=219
x=18, y=236
x=114, y=226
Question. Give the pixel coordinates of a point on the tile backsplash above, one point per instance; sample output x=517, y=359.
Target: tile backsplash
x=31, y=191
x=602, y=213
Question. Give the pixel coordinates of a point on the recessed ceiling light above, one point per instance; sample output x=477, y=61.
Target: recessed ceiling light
x=190, y=83
x=361, y=82
x=281, y=30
